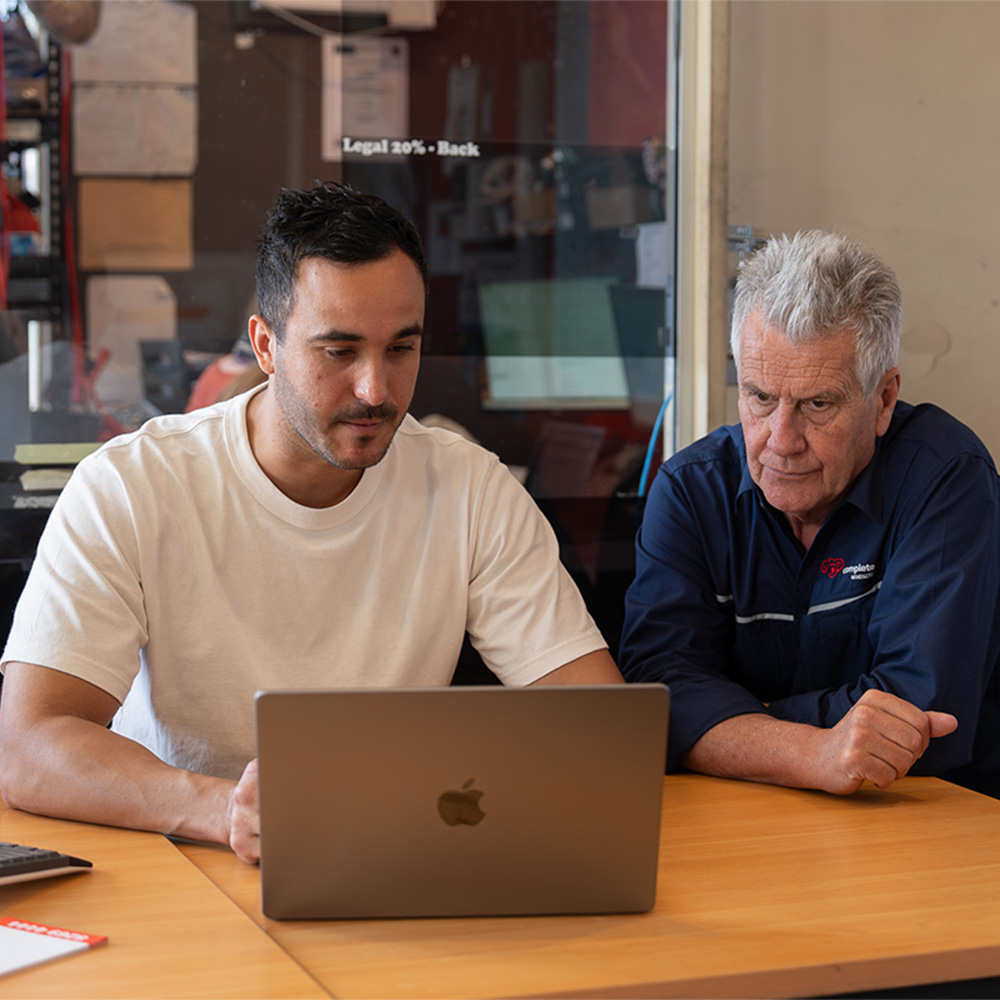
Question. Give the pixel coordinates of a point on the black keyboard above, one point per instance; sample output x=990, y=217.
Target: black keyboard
x=19, y=863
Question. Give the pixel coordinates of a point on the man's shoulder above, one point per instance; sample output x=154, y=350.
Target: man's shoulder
x=932, y=434
x=708, y=475
x=170, y=435
x=431, y=442
x=722, y=452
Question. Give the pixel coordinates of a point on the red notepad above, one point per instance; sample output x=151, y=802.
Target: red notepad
x=24, y=943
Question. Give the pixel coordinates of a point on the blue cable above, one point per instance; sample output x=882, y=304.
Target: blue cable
x=652, y=443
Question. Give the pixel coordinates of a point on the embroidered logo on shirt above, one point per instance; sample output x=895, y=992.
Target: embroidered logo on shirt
x=831, y=567
x=862, y=571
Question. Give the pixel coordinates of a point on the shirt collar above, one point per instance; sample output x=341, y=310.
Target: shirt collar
x=867, y=491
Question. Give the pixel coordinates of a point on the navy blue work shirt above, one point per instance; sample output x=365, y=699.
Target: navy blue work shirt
x=899, y=591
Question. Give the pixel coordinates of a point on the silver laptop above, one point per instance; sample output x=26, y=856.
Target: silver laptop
x=460, y=801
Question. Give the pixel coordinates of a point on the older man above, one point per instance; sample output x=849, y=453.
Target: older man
x=819, y=584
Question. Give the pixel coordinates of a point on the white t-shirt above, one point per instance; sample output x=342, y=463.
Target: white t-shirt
x=174, y=575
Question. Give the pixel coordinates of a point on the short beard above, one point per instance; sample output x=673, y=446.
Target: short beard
x=299, y=420
x=387, y=411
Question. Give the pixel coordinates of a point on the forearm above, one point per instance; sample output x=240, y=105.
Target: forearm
x=879, y=740
x=757, y=747
x=75, y=769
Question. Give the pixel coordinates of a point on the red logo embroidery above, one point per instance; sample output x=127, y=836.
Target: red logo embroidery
x=831, y=567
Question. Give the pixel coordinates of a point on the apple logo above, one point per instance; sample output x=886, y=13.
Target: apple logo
x=461, y=807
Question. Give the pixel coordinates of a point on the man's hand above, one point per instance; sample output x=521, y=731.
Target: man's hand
x=243, y=816
x=879, y=740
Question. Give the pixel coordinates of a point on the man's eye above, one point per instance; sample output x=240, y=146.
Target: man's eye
x=338, y=352
x=818, y=405
x=403, y=348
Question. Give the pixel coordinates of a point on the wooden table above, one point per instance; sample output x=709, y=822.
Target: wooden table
x=171, y=933
x=763, y=892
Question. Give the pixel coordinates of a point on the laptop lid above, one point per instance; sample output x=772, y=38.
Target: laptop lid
x=460, y=801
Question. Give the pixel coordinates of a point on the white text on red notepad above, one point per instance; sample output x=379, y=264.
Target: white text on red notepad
x=53, y=932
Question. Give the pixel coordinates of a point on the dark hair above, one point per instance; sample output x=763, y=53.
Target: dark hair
x=335, y=223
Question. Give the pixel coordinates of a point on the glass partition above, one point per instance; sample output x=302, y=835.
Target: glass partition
x=533, y=144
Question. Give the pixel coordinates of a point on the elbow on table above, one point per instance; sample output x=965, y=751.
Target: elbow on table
x=13, y=790
x=22, y=773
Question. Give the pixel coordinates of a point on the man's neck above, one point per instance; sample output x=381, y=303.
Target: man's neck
x=302, y=475
x=805, y=533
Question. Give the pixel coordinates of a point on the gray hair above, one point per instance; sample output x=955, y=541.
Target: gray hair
x=816, y=283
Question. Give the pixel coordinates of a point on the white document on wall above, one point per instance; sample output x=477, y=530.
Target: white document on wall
x=135, y=131
x=366, y=91
x=652, y=258
x=461, y=121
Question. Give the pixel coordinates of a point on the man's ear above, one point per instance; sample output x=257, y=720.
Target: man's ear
x=886, y=397
x=263, y=341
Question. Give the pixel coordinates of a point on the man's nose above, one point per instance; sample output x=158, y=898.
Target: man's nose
x=785, y=437
x=371, y=384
